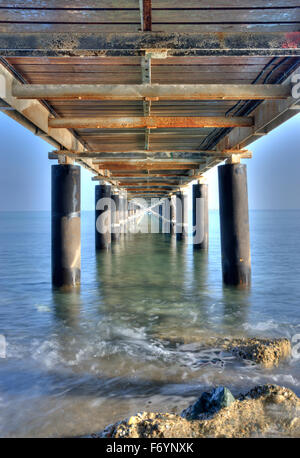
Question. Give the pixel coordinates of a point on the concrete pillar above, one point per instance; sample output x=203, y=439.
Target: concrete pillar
x=115, y=218
x=181, y=215
x=65, y=225
x=200, y=216
x=234, y=222
x=103, y=216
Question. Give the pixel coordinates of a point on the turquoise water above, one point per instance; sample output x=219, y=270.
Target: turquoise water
x=78, y=361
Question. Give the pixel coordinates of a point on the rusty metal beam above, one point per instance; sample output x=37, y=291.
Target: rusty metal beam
x=150, y=122
x=267, y=116
x=145, y=154
x=148, y=160
x=33, y=115
x=131, y=174
x=147, y=188
x=132, y=44
x=146, y=166
x=151, y=183
x=146, y=15
x=151, y=91
x=156, y=192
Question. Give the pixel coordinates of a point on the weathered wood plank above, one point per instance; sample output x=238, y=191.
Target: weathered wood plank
x=96, y=60
x=35, y=27
x=161, y=16
x=120, y=44
x=80, y=16
x=235, y=27
x=133, y=4
x=86, y=69
x=202, y=16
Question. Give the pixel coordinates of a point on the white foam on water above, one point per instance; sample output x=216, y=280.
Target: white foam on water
x=268, y=325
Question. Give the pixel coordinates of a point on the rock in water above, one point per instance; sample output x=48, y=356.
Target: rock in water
x=209, y=403
x=265, y=411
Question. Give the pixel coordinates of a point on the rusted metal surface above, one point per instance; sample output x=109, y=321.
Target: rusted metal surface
x=267, y=116
x=151, y=122
x=148, y=166
x=114, y=71
x=151, y=91
x=151, y=183
x=34, y=115
x=150, y=188
x=146, y=15
x=143, y=154
x=131, y=44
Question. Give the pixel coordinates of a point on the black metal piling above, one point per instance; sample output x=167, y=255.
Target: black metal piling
x=234, y=222
x=65, y=225
x=200, y=216
x=102, y=216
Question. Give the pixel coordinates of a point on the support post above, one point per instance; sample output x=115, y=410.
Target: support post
x=234, y=223
x=166, y=224
x=115, y=218
x=65, y=225
x=103, y=216
x=181, y=215
x=160, y=220
x=200, y=216
x=122, y=214
x=125, y=213
x=172, y=215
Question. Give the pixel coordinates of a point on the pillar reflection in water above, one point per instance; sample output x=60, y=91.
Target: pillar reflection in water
x=236, y=304
x=67, y=306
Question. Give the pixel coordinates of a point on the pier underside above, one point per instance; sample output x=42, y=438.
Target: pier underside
x=146, y=96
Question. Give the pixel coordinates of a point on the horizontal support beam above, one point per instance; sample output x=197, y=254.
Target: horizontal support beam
x=162, y=44
x=145, y=154
x=150, y=122
x=156, y=192
x=149, y=160
x=33, y=115
x=151, y=91
x=267, y=116
x=150, y=183
x=149, y=188
x=146, y=166
x=127, y=175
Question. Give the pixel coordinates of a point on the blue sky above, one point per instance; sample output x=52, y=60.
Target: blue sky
x=273, y=172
